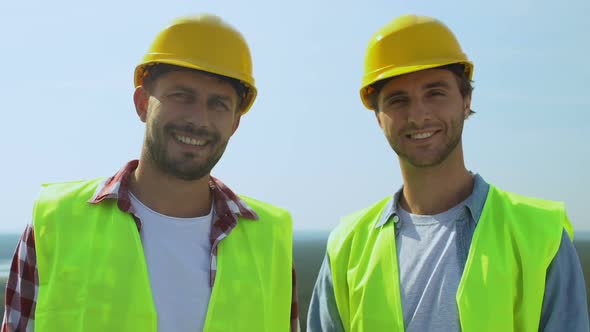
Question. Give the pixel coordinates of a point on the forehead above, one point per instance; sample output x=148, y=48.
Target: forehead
x=420, y=80
x=196, y=80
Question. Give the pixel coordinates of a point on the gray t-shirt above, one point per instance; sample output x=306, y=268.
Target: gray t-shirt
x=429, y=269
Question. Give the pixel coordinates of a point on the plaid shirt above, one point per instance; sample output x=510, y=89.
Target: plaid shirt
x=23, y=282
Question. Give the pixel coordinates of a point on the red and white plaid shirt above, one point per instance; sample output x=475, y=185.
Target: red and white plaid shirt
x=23, y=282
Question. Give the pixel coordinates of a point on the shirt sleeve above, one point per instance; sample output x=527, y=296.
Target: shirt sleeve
x=565, y=307
x=323, y=313
x=22, y=285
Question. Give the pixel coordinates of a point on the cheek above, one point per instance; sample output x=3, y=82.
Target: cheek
x=388, y=122
x=154, y=123
x=450, y=105
x=224, y=121
x=381, y=119
x=152, y=119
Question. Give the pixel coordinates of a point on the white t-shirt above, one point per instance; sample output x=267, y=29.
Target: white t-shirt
x=177, y=253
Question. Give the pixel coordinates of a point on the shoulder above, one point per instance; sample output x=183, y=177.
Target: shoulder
x=532, y=203
x=72, y=189
x=531, y=210
x=266, y=210
x=61, y=197
x=359, y=223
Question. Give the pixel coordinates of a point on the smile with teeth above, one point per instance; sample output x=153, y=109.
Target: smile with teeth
x=190, y=140
x=423, y=135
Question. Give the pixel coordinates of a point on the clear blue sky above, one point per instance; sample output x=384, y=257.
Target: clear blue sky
x=308, y=144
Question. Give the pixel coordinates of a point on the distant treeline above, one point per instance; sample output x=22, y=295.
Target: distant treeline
x=2, y=293
x=7, y=245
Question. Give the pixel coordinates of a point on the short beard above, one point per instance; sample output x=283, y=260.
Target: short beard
x=157, y=152
x=456, y=128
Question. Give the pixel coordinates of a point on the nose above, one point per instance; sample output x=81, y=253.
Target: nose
x=198, y=114
x=418, y=114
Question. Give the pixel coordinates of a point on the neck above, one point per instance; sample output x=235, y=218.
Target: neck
x=169, y=195
x=432, y=190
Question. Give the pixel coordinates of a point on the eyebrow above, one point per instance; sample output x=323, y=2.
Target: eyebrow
x=224, y=98
x=183, y=88
x=393, y=94
x=192, y=91
x=436, y=84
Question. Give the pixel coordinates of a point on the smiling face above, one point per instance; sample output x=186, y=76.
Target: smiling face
x=189, y=118
x=422, y=115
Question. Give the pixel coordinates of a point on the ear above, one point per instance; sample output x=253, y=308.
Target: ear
x=140, y=99
x=466, y=106
x=236, y=123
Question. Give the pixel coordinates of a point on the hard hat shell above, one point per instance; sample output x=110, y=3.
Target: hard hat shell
x=408, y=44
x=205, y=43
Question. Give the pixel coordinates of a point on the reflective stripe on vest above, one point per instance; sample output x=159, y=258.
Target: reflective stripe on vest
x=93, y=275
x=501, y=288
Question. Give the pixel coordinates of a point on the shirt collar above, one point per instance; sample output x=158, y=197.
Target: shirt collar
x=390, y=209
x=474, y=203
x=116, y=187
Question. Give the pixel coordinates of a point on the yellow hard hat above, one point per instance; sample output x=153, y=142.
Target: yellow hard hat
x=408, y=44
x=204, y=43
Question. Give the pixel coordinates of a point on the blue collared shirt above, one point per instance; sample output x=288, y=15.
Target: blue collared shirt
x=564, y=306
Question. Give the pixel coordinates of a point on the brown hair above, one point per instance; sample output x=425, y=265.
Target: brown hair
x=154, y=71
x=465, y=84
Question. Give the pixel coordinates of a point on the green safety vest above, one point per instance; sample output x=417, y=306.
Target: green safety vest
x=503, y=282
x=93, y=274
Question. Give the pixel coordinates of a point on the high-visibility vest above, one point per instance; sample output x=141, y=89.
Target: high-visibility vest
x=503, y=282
x=93, y=274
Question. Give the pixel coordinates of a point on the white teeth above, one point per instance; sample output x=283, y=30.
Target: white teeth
x=191, y=141
x=422, y=135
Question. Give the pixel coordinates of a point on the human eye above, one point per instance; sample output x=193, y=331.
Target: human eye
x=219, y=104
x=181, y=96
x=397, y=101
x=437, y=93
